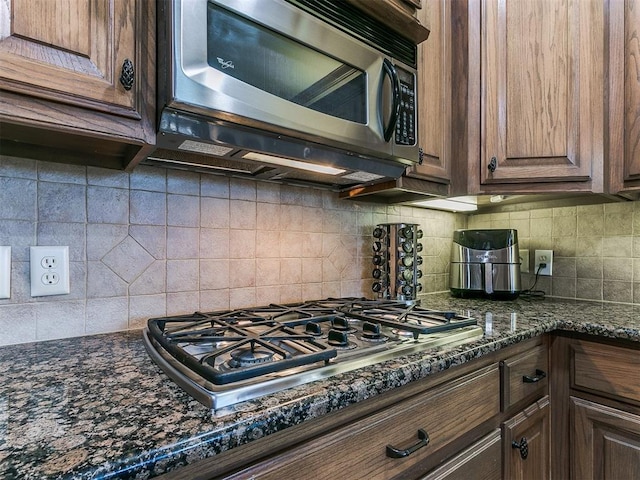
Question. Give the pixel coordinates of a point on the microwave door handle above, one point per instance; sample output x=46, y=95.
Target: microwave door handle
x=390, y=70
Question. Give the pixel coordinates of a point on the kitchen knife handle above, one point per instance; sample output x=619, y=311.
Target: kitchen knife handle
x=539, y=376
x=423, y=441
x=390, y=70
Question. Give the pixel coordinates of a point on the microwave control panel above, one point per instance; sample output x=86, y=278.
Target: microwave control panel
x=406, y=125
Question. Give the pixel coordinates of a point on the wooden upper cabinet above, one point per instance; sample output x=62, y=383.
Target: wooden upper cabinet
x=62, y=63
x=434, y=93
x=541, y=95
x=71, y=50
x=624, y=96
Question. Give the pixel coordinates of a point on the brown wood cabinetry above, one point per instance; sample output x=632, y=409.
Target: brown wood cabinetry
x=434, y=94
x=596, y=408
x=78, y=80
x=525, y=440
x=624, y=96
x=361, y=450
x=534, y=97
x=398, y=15
x=605, y=443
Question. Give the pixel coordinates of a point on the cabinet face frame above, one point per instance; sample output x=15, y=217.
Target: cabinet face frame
x=623, y=145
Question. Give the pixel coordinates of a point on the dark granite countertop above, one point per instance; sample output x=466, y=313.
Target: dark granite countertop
x=97, y=407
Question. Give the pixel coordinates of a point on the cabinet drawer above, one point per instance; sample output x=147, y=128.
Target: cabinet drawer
x=524, y=375
x=609, y=371
x=481, y=461
x=359, y=450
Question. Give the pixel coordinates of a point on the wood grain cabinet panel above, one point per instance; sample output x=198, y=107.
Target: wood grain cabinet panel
x=530, y=427
x=359, y=450
x=481, y=461
x=606, y=442
x=61, y=93
x=624, y=96
x=524, y=376
x=434, y=94
x=606, y=370
x=542, y=114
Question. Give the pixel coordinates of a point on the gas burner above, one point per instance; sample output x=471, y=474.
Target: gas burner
x=402, y=333
x=248, y=357
x=225, y=357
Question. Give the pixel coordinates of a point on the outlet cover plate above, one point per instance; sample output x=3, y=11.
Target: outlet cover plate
x=49, y=271
x=5, y=272
x=546, y=257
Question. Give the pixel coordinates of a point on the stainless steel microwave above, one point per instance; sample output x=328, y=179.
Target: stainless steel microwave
x=291, y=90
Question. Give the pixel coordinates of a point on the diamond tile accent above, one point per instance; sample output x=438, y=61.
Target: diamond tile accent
x=128, y=259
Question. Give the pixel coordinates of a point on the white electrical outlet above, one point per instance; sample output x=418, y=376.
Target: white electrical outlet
x=524, y=260
x=5, y=272
x=543, y=257
x=49, y=271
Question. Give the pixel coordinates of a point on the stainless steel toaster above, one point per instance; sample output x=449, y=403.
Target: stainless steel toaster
x=485, y=263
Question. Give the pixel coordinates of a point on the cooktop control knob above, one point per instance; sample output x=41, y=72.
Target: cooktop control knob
x=313, y=328
x=371, y=330
x=337, y=338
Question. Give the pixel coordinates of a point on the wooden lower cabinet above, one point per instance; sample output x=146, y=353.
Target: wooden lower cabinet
x=397, y=442
x=606, y=442
x=481, y=461
x=526, y=439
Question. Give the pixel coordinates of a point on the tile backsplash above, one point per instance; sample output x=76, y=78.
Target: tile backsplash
x=163, y=242
x=596, y=248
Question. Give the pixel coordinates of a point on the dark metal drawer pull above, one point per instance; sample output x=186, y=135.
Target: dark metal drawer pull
x=539, y=376
x=396, y=453
x=523, y=446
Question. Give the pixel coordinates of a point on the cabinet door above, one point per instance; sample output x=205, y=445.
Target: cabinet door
x=605, y=442
x=481, y=461
x=530, y=428
x=70, y=51
x=542, y=95
x=624, y=90
x=434, y=93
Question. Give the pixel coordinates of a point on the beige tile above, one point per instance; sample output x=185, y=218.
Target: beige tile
x=564, y=267
x=565, y=226
x=143, y=307
x=107, y=315
x=292, y=218
x=312, y=270
x=183, y=182
x=214, y=243
x=268, y=216
x=290, y=271
x=290, y=293
x=151, y=179
x=214, y=274
x=214, y=186
x=242, y=243
x=151, y=281
x=267, y=272
x=617, y=269
x=617, y=291
x=291, y=244
x=331, y=289
x=589, y=247
x=17, y=324
x=618, y=224
x=107, y=205
x=241, y=189
x=214, y=212
x=311, y=291
x=147, y=208
x=182, y=275
x=268, y=192
x=312, y=219
x=617, y=247
x=181, y=303
x=590, y=225
x=541, y=227
x=183, y=242
x=60, y=319
x=242, y=273
x=589, y=288
x=541, y=213
x=589, y=268
x=268, y=245
x=242, y=297
x=183, y=210
x=564, y=246
x=214, y=300
x=242, y=214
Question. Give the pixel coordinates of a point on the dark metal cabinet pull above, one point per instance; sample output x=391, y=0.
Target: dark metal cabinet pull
x=539, y=376
x=493, y=164
x=127, y=75
x=423, y=442
x=523, y=446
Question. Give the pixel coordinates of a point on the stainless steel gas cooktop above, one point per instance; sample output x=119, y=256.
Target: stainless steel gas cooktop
x=222, y=358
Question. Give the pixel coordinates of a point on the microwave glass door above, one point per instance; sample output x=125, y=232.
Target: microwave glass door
x=276, y=64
